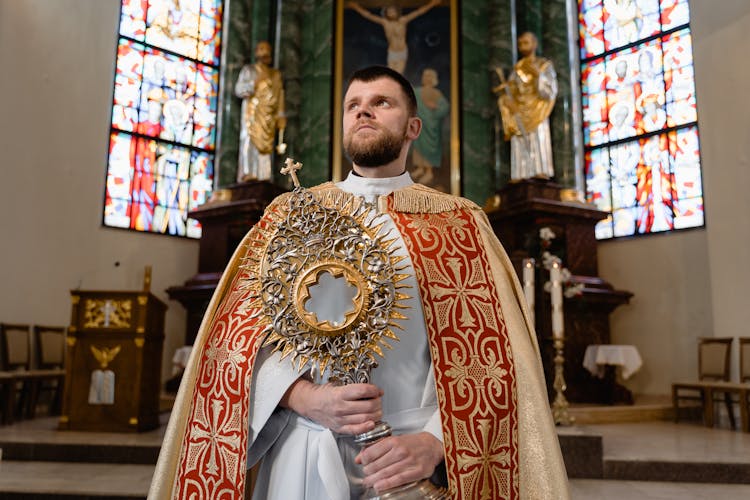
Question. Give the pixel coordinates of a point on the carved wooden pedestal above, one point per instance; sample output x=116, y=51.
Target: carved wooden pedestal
x=224, y=224
x=113, y=362
x=525, y=208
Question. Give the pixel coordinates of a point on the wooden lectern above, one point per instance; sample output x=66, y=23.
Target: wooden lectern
x=115, y=343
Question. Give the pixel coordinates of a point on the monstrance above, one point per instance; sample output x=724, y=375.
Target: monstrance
x=316, y=249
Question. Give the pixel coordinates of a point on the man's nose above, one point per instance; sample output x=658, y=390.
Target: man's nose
x=364, y=111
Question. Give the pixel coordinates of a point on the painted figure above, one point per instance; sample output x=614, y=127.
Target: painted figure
x=433, y=109
x=394, y=26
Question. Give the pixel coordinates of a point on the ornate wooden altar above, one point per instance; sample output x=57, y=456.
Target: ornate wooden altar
x=114, y=351
x=224, y=223
x=526, y=207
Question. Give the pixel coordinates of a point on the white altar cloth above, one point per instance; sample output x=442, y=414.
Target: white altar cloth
x=599, y=355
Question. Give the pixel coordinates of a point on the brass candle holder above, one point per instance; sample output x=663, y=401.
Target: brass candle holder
x=560, y=405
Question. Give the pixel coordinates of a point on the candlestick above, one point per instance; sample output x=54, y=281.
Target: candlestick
x=560, y=404
x=557, y=301
x=528, y=286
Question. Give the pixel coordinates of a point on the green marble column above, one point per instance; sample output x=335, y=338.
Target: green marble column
x=477, y=111
x=530, y=17
x=558, y=49
x=502, y=36
x=237, y=50
x=287, y=46
x=316, y=79
x=263, y=21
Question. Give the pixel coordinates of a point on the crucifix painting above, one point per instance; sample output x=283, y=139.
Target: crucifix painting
x=417, y=38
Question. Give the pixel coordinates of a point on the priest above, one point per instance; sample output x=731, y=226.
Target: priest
x=461, y=386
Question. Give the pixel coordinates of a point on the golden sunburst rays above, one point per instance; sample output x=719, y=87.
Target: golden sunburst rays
x=314, y=245
x=251, y=265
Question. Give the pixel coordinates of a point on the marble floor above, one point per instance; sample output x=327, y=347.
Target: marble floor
x=595, y=489
x=657, y=440
x=664, y=441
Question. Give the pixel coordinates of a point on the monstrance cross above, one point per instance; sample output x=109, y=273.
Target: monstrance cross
x=291, y=169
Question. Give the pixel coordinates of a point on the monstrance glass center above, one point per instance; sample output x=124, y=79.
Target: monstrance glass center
x=331, y=297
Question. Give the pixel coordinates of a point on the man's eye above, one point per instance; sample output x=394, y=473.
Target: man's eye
x=383, y=103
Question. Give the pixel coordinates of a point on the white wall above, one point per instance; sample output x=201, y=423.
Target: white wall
x=56, y=73
x=695, y=283
x=722, y=48
x=671, y=306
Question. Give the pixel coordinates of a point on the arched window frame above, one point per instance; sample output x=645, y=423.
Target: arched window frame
x=162, y=145
x=641, y=140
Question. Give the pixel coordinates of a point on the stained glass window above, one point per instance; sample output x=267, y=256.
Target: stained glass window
x=163, y=133
x=642, y=154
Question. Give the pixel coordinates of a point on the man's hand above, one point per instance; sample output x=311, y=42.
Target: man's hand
x=345, y=409
x=399, y=460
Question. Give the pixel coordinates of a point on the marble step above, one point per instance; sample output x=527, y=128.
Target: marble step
x=651, y=411
x=79, y=452
x=660, y=470
x=687, y=452
x=30, y=480
x=39, y=440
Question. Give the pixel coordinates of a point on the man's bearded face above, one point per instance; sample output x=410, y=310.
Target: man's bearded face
x=375, y=147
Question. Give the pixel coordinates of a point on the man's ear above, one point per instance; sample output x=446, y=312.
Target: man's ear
x=413, y=128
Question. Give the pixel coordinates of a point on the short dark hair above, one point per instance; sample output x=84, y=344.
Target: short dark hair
x=372, y=73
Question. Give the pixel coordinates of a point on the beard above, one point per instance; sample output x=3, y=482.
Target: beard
x=377, y=151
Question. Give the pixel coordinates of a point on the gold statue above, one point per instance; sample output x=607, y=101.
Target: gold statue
x=261, y=89
x=394, y=26
x=525, y=102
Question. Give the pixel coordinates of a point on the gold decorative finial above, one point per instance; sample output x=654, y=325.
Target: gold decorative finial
x=291, y=169
x=147, y=279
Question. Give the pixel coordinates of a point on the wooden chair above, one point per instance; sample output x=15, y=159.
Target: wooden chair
x=16, y=347
x=714, y=354
x=744, y=359
x=745, y=379
x=744, y=389
x=15, y=364
x=741, y=389
x=7, y=397
x=49, y=374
